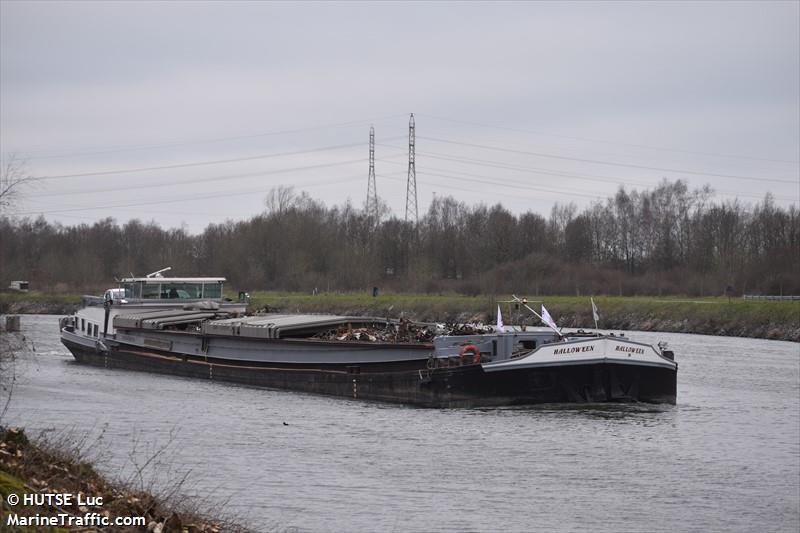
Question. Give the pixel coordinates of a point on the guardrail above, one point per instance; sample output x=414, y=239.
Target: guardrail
x=762, y=297
x=92, y=301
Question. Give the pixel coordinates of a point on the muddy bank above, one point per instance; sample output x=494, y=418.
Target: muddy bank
x=37, y=469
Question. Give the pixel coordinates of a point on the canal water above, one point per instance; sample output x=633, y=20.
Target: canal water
x=726, y=458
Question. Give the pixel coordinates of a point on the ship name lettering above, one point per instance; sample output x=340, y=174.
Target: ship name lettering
x=573, y=349
x=629, y=349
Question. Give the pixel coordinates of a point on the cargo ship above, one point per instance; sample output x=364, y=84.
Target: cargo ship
x=184, y=326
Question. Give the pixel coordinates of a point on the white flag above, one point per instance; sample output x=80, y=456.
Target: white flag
x=547, y=319
x=499, y=320
x=595, y=314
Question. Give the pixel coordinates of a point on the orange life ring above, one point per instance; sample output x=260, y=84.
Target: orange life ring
x=473, y=350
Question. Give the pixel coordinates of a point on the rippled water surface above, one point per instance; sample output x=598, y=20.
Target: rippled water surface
x=726, y=458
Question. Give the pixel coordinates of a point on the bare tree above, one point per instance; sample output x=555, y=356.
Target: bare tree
x=636, y=242
x=14, y=176
x=280, y=199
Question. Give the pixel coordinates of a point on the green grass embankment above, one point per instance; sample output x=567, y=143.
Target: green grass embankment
x=37, y=302
x=712, y=316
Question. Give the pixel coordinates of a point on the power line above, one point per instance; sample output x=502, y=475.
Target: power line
x=551, y=172
x=212, y=140
x=510, y=184
x=204, y=196
x=532, y=170
x=660, y=148
x=197, y=164
x=478, y=178
x=193, y=181
x=609, y=163
x=482, y=192
x=183, y=198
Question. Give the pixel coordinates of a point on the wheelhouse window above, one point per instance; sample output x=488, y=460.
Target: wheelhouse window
x=83, y=324
x=132, y=290
x=172, y=289
x=182, y=290
x=151, y=291
x=212, y=290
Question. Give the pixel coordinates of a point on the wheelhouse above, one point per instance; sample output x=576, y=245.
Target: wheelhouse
x=158, y=288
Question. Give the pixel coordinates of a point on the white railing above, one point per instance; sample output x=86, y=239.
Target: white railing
x=767, y=297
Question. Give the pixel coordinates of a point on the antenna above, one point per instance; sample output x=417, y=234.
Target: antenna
x=411, y=187
x=157, y=273
x=372, y=194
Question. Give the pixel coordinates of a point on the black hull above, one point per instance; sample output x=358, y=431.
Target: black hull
x=465, y=386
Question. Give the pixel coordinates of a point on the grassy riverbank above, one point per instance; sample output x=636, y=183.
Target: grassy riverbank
x=712, y=316
x=37, y=302
x=43, y=467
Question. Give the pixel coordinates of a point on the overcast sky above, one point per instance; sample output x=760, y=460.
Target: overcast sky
x=526, y=104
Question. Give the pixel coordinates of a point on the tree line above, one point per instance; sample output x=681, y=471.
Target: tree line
x=668, y=240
